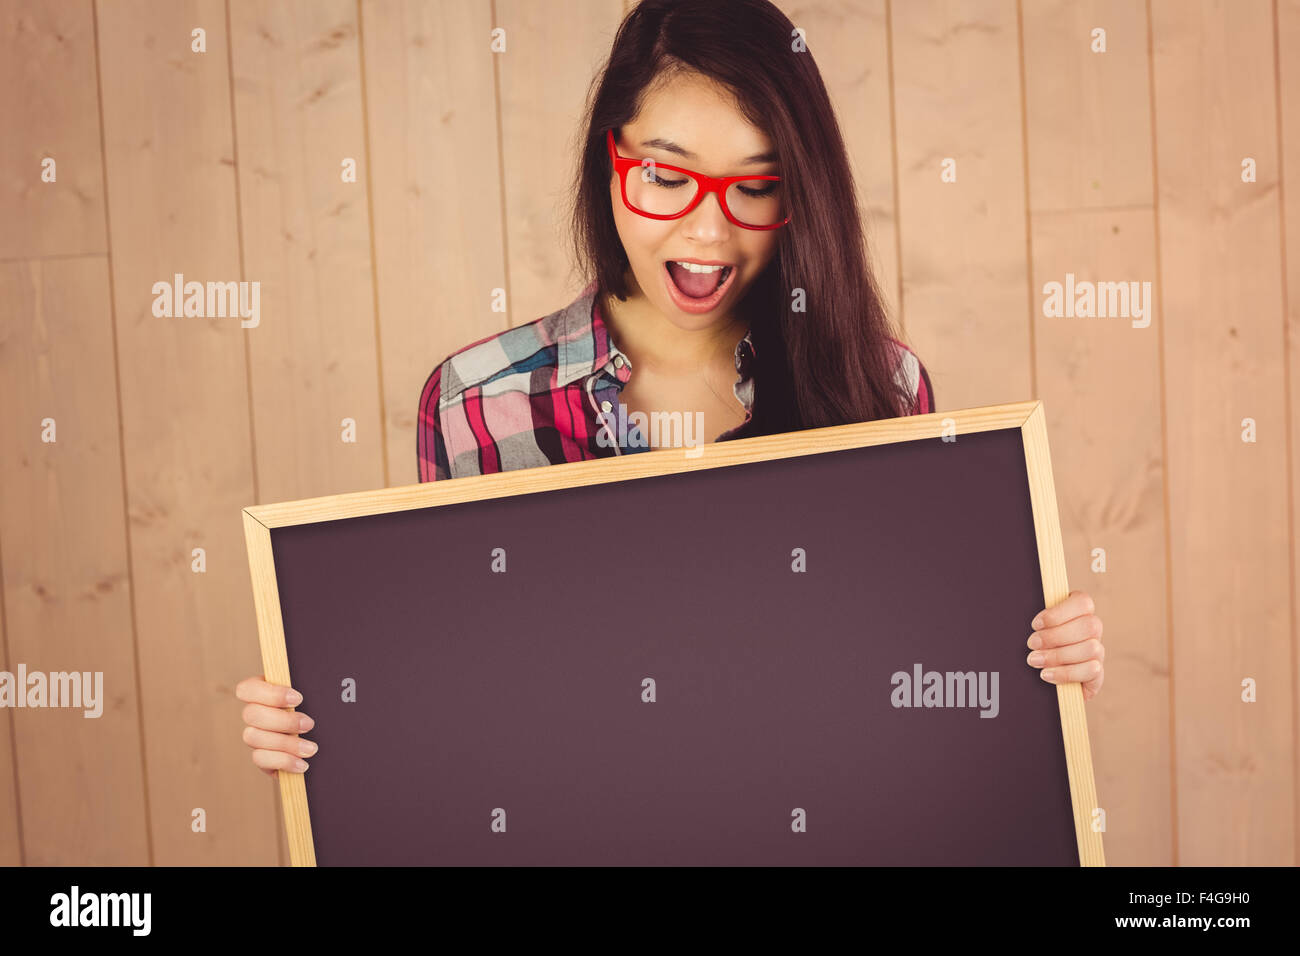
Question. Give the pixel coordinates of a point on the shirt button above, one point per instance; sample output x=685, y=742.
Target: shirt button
x=618, y=361
x=605, y=406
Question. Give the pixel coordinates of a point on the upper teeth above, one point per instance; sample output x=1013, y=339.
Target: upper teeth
x=696, y=267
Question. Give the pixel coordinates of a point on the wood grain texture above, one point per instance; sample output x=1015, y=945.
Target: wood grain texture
x=1088, y=112
x=11, y=819
x=67, y=597
x=185, y=422
x=47, y=86
x=963, y=259
x=54, y=114
x=1215, y=104
x=305, y=236
x=1287, y=64
x=1092, y=214
x=435, y=180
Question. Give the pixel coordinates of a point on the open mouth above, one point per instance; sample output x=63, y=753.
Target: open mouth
x=700, y=287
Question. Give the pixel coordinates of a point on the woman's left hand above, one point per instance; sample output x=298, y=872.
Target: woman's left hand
x=1066, y=643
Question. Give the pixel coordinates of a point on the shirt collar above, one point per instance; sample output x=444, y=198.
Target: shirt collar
x=585, y=345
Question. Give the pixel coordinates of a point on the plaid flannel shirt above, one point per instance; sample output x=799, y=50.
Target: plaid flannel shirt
x=542, y=393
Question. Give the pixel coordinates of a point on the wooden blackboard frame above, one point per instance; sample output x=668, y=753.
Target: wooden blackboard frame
x=1029, y=417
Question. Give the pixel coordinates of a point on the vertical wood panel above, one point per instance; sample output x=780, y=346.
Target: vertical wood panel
x=1089, y=115
x=1220, y=239
x=965, y=274
x=544, y=78
x=185, y=416
x=66, y=586
x=306, y=240
x=66, y=599
x=1287, y=64
x=49, y=114
x=1092, y=214
x=11, y=848
x=436, y=185
x=47, y=85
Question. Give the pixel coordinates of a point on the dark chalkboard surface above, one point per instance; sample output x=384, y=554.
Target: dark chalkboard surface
x=796, y=649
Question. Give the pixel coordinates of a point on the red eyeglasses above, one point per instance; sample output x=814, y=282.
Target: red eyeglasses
x=659, y=191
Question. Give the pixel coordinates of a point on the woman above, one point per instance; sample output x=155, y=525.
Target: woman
x=715, y=204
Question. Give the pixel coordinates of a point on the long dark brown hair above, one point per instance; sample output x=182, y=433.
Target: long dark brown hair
x=832, y=364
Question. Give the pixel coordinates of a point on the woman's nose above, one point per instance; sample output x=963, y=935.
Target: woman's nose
x=707, y=220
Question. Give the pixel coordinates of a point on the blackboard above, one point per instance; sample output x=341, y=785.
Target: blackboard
x=478, y=655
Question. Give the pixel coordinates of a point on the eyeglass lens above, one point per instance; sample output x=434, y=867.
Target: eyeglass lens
x=665, y=192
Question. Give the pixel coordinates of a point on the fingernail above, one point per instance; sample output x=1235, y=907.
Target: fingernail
x=1034, y=641
x=300, y=765
x=1047, y=674
x=294, y=698
x=306, y=748
x=1036, y=659
x=1038, y=622
x=305, y=723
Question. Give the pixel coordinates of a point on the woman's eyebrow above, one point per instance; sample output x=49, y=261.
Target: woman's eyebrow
x=671, y=147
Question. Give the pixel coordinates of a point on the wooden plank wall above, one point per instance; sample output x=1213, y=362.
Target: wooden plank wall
x=228, y=165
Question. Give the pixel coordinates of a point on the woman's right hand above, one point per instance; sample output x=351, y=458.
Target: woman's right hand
x=272, y=730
